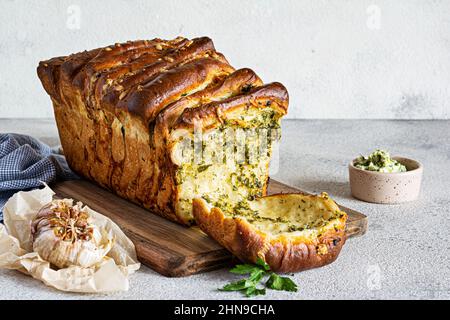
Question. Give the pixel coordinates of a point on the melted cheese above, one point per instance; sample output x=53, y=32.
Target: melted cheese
x=308, y=216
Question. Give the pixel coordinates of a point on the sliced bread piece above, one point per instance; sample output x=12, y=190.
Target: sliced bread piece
x=290, y=232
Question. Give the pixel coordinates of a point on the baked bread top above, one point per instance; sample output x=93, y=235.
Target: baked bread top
x=143, y=77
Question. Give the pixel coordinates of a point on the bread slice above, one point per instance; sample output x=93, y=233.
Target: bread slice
x=290, y=232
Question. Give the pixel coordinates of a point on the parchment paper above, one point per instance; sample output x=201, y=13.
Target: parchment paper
x=16, y=251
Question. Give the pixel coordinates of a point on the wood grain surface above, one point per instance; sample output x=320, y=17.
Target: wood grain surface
x=166, y=247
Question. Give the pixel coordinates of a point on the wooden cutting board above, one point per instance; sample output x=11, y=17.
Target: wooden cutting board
x=168, y=248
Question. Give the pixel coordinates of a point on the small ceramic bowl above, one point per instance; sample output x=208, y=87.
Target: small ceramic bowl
x=380, y=187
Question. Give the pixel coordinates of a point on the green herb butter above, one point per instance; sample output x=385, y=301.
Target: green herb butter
x=380, y=161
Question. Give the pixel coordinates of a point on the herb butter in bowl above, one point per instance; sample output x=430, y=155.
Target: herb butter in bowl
x=381, y=179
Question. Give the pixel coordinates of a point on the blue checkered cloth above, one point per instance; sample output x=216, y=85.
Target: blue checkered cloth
x=25, y=162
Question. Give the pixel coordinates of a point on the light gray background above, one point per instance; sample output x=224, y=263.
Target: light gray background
x=338, y=59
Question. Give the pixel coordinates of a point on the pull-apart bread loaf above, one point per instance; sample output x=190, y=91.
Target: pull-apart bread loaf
x=128, y=115
x=290, y=232
x=172, y=126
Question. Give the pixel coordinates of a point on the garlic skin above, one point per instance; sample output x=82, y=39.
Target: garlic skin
x=64, y=235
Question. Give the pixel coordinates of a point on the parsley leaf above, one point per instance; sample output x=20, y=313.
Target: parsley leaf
x=244, y=268
x=260, y=262
x=254, y=291
x=238, y=285
x=277, y=282
x=256, y=273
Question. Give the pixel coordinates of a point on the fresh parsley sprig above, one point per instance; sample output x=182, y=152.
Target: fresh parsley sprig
x=251, y=286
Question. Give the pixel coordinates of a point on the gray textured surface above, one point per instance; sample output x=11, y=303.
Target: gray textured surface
x=405, y=253
x=342, y=59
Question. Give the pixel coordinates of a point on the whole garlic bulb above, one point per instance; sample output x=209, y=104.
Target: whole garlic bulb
x=64, y=235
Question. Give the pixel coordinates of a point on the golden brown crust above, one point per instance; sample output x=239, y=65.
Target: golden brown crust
x=48, y=72
x=116, y=106
x=273, y=94
x=140, y=76
x=150, y=98
x=284, y=253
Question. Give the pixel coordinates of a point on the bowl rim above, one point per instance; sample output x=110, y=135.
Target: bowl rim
x=409, y=172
